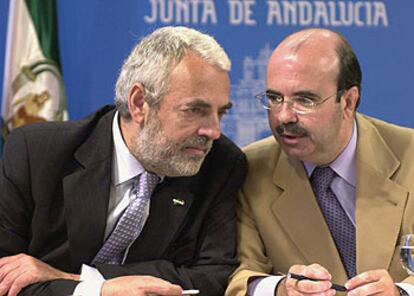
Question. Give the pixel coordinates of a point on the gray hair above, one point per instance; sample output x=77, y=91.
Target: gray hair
x=155, y=56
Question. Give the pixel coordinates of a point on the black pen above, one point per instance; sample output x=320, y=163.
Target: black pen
x=300, y=277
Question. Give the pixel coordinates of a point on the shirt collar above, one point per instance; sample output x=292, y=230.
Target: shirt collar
x=124, y=166
x=344, y=164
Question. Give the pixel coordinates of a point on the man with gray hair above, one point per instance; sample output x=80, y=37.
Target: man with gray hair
x=133, y=200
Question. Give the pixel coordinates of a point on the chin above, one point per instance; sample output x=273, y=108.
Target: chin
x=298, y=154
x=181, y=168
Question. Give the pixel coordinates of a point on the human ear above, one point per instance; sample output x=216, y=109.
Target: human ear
x=136, y=103
x=350, y=100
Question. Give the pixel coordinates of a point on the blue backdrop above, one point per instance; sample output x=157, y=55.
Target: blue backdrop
x=97, y=35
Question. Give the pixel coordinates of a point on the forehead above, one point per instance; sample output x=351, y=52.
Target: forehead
x=195, y=79
x=309, y=65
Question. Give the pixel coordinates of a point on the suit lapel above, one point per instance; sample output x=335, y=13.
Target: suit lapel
x=169, y=206
x=299, y=214
x=380, y=202
x=86, y=192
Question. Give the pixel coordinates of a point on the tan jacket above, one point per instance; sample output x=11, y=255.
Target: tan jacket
x=280, y=223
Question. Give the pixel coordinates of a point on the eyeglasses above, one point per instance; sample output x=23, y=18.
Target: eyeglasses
x=299, y=104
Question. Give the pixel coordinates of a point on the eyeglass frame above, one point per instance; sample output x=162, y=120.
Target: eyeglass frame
x=263, y=95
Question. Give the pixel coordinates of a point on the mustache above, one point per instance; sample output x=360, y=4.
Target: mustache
x=292, y=129
x=199, y=141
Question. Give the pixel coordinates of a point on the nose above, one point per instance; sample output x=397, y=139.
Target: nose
x=210, y=128
x=285, y=114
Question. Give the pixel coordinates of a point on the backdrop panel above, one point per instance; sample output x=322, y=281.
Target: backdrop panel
x=97, y=35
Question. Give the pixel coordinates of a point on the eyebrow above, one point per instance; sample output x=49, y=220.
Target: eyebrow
x=228, y=106
x=304, y=93
x=203, y=104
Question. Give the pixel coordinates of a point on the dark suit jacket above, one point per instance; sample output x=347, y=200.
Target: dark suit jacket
x=54, y=191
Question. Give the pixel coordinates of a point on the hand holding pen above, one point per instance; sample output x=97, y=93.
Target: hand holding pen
x=300, y=277
x=311, y=279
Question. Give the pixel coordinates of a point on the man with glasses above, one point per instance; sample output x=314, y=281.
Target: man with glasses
x=327, y=198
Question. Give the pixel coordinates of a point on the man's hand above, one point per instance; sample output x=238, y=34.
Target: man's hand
x=139, y=286
x=19, y=271
x=321, y=287
x=373, y=282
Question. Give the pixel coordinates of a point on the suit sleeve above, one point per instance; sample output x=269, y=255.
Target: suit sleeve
x=216, y=256
x=254, y=262
x=14, y=208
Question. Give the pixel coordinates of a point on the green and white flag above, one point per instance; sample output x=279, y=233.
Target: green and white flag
x=33, y=88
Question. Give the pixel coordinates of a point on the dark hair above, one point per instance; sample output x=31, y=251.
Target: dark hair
x=349, y=69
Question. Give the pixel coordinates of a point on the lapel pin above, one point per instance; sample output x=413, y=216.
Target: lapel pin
x=178, y=202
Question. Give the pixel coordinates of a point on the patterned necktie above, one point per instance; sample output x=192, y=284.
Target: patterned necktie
x=131, y=222
x=341, y=227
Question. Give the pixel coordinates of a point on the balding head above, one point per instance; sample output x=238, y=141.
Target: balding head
x=327, y=50
x=308, y=39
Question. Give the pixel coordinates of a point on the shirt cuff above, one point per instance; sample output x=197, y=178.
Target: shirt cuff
x=267, y=286
x=409, y=288
x=91, y=282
